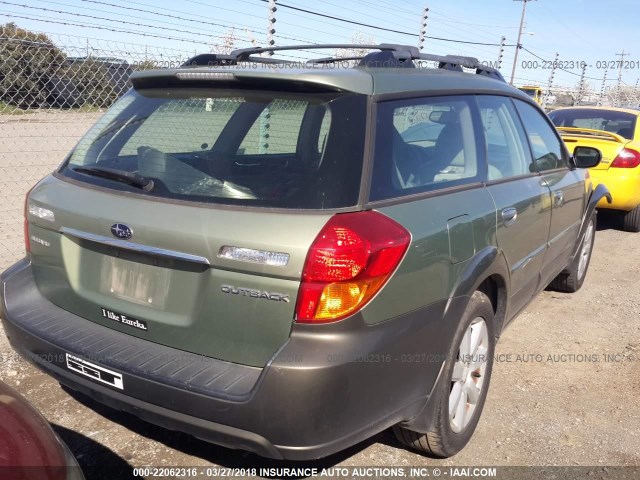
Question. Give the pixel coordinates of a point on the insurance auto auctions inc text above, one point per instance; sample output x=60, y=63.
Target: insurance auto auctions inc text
x=378, y=472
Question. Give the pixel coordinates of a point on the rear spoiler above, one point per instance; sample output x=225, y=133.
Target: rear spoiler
x=269, y=77
x=588, y=132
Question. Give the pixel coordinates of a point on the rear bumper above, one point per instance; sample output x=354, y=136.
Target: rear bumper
x=329, y=386
x=624, y=185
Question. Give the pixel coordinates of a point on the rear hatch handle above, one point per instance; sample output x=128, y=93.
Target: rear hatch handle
x=136, y=247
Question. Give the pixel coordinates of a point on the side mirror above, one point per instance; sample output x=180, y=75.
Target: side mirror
x=586, y=157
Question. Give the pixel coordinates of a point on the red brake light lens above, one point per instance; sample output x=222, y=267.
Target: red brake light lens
x=338, y=253
x=349, y=261
x=626, y=158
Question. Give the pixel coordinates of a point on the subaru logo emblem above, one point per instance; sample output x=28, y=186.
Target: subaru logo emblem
x=120, y=230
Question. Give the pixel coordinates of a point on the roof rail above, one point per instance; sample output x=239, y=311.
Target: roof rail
x=401, y=53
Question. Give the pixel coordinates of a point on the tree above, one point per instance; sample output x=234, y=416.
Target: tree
x=230, y=41
x=28, y=61
x=92, y=79
x=228, y=44
x=358, y=38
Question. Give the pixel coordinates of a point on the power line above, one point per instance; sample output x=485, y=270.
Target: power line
x=339, y=19
x=99, y=27
x=199, y=21
x=222, y=8
x=559, y=68
x=410, y=16
x=94, y=17
x=355, y=11
x=353, y=22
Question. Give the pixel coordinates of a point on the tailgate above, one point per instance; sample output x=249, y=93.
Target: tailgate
x=608, y=143
x=169, y=283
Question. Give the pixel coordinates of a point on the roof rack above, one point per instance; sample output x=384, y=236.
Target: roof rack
x=402, y=54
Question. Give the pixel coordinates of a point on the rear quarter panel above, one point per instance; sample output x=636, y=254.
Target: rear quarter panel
x=447, y=231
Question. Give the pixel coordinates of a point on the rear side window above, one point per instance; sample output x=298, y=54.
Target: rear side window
x=545, y=144
x=259, y=149
x=423, y=144
x=508, y=154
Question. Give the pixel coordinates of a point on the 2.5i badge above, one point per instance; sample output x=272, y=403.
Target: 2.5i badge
x=123, y=319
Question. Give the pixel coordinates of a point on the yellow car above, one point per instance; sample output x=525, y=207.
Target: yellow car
x=616, y=133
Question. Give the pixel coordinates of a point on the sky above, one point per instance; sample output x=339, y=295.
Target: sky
x=579, y=30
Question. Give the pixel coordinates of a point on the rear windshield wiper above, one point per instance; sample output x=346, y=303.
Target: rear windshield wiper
x=144, y=183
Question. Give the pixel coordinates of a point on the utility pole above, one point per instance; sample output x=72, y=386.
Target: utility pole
x=503, y=40
x=553, y=72
x=423, y=28
x=619, y=84
x=265, y=115
x=581, y=85
x=271, y=29
x=635, y=91
x=604, y=86
x=518, y=45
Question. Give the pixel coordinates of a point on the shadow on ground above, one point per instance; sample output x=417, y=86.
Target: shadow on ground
x=208, y=452
x=96, y=461
x=609, y=221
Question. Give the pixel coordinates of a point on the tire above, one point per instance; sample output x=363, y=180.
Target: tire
x=571, y=279
x=447, y=436
x=631, y=221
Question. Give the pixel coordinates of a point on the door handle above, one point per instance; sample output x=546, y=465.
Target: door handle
x=509, y=216
x=558, y=198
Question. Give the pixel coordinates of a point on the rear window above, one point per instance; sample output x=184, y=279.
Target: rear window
x=621, y=123
x=262, y=149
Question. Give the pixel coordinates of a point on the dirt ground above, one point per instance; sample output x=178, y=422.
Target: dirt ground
x=565, y=390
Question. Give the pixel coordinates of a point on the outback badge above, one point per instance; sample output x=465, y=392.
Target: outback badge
x=250, y=292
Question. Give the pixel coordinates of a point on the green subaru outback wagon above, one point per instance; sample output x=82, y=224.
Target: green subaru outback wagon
x=288, y=259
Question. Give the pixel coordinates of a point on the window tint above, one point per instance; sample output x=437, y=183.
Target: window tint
x=508, y=153
x=621, y=123
x=276, y=129
x=264, y=149
x=422, y=145
x=324, y=130
x=545, y=144
x=183, y=125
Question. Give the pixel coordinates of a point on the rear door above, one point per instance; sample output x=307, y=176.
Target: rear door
x=568, y=191
x=208, y=259
x=522, y=197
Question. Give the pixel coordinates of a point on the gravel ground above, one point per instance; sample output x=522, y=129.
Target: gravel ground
x=555, y=399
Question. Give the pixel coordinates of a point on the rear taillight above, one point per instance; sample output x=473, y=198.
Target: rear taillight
x=349, y=261
x=627, y=158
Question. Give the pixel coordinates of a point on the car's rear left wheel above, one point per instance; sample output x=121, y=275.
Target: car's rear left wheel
x=462, y=389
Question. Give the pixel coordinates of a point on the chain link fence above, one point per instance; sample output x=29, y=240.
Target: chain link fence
x=52, y=89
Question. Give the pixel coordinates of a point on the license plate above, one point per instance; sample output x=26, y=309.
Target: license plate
x=95, y=372
x=136, y=282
